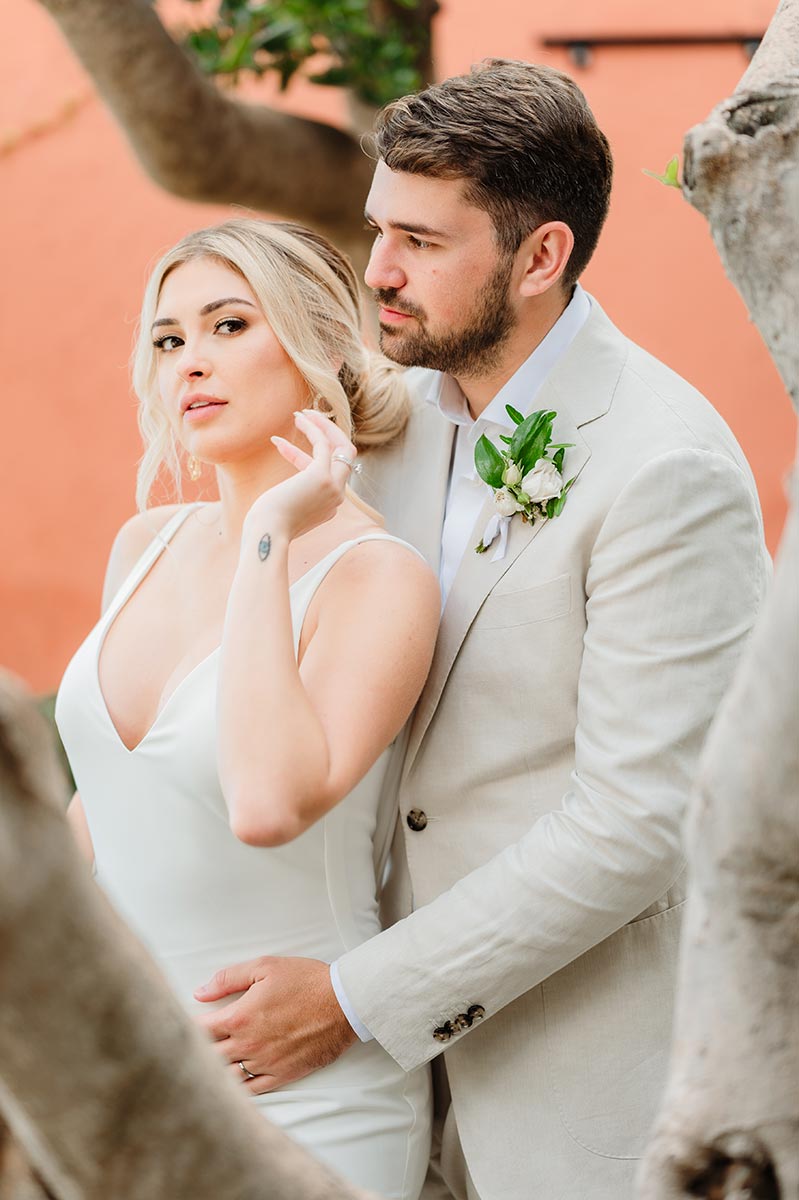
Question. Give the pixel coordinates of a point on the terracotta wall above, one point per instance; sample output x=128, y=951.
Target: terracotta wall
x=80, y=223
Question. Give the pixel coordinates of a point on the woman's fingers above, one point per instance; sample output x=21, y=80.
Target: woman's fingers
x=326, y=450
x=337, y=438
x=292, y=454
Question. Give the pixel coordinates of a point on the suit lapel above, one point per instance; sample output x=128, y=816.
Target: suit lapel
x=579, y=389
x=407, y=483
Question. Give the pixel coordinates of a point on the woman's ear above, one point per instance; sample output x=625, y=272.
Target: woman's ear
x=543, y=257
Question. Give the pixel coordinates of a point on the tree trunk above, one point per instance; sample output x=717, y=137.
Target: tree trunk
x=729, y=1126
x=109, y=1091
x=201, y=144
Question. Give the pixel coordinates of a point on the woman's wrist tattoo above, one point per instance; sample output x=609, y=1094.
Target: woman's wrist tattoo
x=264, y=546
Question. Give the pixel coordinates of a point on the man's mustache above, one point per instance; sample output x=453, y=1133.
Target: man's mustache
x=389, y=298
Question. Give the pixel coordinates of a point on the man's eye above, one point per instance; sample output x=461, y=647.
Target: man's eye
x=375, y=232
x=230, y=325
x=417, y=243
x=168, y=342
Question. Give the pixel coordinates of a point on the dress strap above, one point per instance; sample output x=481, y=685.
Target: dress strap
x=304, y=589
x=140, y=568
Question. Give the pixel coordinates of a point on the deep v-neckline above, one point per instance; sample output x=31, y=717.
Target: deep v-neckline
x=130, y=585
x=133, y=581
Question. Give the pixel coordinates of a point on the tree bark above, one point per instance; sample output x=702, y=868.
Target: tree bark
x=729, y=1126
x=107, y=1087
x=201, y=144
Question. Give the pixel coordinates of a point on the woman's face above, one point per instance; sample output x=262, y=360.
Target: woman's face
x=225, y=381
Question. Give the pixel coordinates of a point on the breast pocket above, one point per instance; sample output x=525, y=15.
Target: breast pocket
x=544, y=602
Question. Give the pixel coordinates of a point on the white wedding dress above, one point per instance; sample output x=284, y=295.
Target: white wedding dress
x=200, y=899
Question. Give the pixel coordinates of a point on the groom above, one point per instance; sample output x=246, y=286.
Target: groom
x=537, y=877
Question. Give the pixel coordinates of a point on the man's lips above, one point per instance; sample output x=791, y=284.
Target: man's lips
x=392, y=316
x=199, y=402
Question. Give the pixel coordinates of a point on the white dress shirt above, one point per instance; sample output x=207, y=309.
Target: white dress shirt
x=466, y=491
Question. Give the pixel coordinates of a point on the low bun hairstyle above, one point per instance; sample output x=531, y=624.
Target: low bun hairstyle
x=309, y=294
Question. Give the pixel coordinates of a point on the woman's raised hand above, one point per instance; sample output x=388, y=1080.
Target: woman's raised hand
x=313, y=495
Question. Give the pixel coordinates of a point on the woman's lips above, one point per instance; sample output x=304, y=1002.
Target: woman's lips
x=203, y=407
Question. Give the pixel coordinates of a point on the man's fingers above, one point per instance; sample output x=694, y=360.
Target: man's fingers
x=231, y=979
x=258, y=1085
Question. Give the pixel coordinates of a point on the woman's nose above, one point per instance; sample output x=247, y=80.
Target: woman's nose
x=192, y=365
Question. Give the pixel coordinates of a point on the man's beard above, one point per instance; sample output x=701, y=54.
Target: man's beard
x=473, y=350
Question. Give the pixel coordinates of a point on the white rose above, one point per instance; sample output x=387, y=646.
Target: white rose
x=511, y=475
x=542, y=483
x=506, y=504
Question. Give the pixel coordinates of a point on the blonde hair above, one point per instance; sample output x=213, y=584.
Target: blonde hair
x=308, y=293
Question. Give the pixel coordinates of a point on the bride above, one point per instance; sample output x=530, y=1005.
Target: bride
x=227, y=721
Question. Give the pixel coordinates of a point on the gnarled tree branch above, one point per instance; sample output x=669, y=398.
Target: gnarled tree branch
x=197, y=142
x=729, y=1126
x=107, y=1087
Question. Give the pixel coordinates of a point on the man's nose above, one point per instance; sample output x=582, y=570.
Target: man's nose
x=382, y=270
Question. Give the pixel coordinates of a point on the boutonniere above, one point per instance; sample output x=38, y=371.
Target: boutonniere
x=525, y=476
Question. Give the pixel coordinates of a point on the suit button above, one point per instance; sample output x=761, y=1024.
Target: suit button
x=443, y=1033
x=417, y=820
x=476, y=1012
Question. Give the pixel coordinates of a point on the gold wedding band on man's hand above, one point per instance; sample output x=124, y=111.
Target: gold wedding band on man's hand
x=354, y=466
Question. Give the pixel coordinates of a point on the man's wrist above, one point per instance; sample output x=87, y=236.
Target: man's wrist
x=356, y=1024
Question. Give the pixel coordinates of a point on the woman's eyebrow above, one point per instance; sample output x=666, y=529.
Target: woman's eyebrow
x=206, y=309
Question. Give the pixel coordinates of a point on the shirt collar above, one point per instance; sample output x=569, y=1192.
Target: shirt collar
x=523, y=386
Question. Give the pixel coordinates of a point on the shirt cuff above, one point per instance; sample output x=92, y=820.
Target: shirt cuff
x=345, y=1006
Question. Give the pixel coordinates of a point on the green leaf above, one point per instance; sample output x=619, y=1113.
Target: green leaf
x=671, y=176
x=557, y=457
x=488, y=462
x=506, y=440
x=555, y=506
x=531, y=439
x=514, y=414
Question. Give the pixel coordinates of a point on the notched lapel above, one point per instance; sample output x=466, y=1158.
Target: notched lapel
x=477, y=577
x=579, y=389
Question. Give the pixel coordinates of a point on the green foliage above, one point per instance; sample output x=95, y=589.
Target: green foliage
x=671, y=176
x=488, y=462
x=377, y=59
x=531, y=439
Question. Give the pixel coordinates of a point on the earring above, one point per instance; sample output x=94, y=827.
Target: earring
x=194, y=467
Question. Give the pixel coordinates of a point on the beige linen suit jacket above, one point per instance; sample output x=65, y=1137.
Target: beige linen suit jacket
x=551, y=754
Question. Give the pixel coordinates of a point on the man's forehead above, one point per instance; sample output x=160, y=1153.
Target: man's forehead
x=421, y=203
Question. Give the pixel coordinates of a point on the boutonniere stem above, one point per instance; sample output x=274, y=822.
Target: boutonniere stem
x=525, y=477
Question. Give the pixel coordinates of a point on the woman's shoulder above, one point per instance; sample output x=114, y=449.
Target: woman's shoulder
x=381, y=565
x=131, y=542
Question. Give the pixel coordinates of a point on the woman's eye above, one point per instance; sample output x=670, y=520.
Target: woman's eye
x=168, y=342
x=230, y=325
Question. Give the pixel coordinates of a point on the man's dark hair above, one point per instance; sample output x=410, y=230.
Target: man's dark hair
x=523, y=139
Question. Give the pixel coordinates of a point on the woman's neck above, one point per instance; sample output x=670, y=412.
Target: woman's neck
x=240, y=485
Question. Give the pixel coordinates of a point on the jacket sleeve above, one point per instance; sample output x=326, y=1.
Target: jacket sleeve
x=675, y=580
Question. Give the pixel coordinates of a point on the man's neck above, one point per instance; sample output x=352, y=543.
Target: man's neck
x=533, y=326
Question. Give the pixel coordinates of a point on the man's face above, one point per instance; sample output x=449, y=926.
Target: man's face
x=441, y=283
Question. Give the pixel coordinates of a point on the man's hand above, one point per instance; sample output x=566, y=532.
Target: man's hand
x=285, y=1025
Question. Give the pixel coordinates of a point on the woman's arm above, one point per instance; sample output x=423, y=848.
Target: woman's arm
x=76, y=819
x=293, y=741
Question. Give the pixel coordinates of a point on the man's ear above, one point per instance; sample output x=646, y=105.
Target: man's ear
x=543, y=257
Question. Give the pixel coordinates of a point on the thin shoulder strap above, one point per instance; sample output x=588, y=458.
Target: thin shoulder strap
x=305, y=587
x=140, y=568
